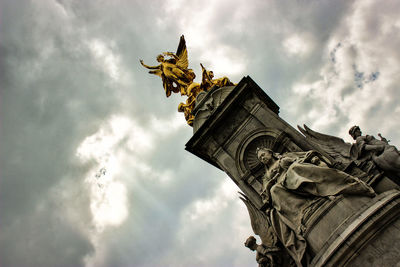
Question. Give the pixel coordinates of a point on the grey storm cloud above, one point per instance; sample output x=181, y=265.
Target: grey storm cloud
x=93, y=166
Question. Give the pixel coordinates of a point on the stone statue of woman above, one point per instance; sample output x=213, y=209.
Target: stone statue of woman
x=295, y=180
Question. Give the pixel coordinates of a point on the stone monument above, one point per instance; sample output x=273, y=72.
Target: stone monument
x=313, y=199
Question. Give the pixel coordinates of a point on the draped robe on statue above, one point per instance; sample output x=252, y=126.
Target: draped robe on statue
x=292, y=183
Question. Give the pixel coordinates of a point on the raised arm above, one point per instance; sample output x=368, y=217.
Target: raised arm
x=376, y=148
x=149, y=67
x=171, y=55
x=364, y=145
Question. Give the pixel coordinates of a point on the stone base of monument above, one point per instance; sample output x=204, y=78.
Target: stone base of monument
x=354, y=231
x=231, y=122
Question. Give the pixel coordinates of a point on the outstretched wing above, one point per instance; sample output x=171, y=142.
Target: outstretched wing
x=334, y=146
x=260, y=223
x=182, y=54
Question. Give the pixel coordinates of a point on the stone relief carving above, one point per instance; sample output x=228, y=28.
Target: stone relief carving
x=207, y=102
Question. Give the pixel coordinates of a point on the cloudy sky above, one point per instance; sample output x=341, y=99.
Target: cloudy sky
x=93, y=170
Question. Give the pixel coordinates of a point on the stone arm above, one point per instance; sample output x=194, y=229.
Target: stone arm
x=376, y=148
x=285, y=162
x=363, y=144
x=383, y=139
x=265, y=250
x=267, y=187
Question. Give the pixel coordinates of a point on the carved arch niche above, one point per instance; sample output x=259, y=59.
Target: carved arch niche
x=250, y=169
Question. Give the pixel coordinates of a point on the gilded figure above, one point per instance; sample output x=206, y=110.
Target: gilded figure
x=174, y=72
x=176, y=77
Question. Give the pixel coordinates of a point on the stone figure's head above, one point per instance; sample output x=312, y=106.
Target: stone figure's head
x=265, y=155
x=251, y=243
x=160, y=58
x=355, y=132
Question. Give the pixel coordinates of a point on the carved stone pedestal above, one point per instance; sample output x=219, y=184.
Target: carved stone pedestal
x=347, y=231
x=231, y=122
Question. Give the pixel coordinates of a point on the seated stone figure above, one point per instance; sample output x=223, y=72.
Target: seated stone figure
x=293, y=182
x=367, y=148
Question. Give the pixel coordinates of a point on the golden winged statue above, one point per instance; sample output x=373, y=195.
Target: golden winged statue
x=178, y=78
x=174, y=72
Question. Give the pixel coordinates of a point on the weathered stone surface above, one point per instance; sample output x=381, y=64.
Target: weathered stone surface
x=367, y=150
x=347, y=242
x=240, y=120
x=229, y=125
